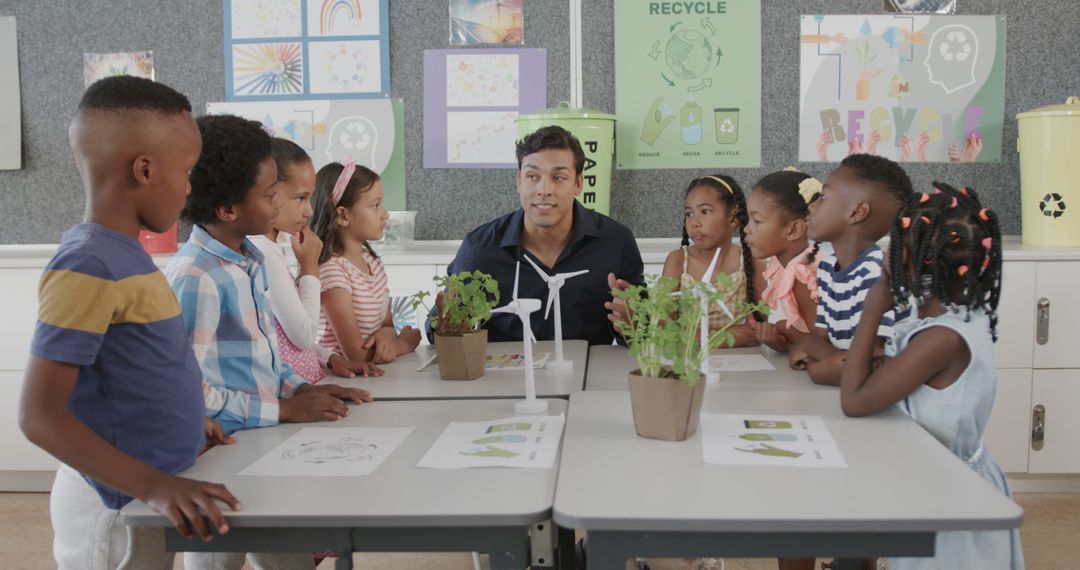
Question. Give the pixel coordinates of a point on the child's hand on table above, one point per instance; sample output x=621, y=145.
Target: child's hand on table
x=346, y=368
x=215, y=435
x=383, y=341
x=188, y=504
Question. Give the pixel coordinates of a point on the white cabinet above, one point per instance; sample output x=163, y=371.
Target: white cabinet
x=1057, y=283
x=1058, y=392
x=16, y=452
x=1007, y=434
x=1016, y=315
x=20, y=306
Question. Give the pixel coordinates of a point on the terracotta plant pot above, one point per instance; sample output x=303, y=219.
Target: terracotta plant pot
x=665, y=408
x=462, y=357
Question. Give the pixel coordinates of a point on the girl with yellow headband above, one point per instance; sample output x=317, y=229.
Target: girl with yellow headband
x=714, y=211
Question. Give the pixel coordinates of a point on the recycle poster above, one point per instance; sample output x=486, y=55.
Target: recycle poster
x=687, y=84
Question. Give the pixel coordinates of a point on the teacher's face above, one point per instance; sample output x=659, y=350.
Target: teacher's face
x=547, y=185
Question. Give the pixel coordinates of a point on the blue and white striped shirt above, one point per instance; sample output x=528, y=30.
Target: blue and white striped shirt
x=842, y=292
x=226, y=311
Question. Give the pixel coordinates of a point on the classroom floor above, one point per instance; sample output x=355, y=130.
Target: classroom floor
x=1049, y=533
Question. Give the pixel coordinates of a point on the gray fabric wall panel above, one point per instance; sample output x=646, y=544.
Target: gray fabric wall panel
x=40, y=201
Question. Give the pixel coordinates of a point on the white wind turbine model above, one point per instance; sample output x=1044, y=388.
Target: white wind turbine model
x=706, y=280
x=554, y=283
x=523, y=308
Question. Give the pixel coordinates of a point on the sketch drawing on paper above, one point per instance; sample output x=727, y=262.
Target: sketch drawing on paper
x=480, y=137
x=491, y=80
x=334, y=11
x=267, y=69
x=265, y=18
x=346, y=449
x=345, y=67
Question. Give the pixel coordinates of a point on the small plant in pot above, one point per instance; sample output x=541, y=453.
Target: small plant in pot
x=668, y=387
x=461, y=308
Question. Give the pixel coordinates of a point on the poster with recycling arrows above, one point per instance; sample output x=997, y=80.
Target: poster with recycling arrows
x=687, y=84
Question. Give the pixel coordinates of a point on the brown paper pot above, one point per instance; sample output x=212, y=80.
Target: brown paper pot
x=462, y=357
x=665, y=408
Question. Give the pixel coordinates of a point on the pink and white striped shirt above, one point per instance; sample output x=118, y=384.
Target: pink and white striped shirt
x=370, y=296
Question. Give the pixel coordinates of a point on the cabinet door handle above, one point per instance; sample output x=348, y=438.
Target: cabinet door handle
x=1042, y=321
x=1038, y=427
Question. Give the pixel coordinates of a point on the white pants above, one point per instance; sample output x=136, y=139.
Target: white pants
x=90, y=536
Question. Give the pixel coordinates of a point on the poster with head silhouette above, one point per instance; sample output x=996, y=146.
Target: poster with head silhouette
x=910, y=88
x=370, y=131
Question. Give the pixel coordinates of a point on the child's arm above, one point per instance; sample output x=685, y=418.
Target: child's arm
x=388, y=344
x=295, y=304
x=864, y=391
x=200, y=312
x=673, y=264
x=337, y=303
x=46, y=421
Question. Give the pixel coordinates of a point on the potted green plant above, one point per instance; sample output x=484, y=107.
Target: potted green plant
x=463, y=305
x=663, y=330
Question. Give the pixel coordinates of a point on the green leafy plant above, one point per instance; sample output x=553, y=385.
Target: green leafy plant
x=664, y=326
x=866, y=55
x=464, y=303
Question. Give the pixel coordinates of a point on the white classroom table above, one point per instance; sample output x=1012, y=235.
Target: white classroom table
x=401, y=380
x=639, y=497
x=609, y=365
x=398, y=508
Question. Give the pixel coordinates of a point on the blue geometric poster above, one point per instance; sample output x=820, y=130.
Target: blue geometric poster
x=306, y=49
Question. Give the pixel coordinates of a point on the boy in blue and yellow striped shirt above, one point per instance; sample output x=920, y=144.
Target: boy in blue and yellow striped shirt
x=113, y=389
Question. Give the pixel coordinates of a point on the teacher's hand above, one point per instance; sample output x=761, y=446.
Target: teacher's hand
x=617, y=311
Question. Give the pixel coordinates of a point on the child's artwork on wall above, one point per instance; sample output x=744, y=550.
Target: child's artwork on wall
x=329, y=452
x=474, y=22
x=688, y=85
x=471, y=98
x=522, y=441
x=921, y=6
x=101, y=65
x=911, y=88
x=306, y=49
x=10, y=100
x=370, y=131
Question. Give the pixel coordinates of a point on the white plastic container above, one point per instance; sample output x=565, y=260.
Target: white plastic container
x=400, y=230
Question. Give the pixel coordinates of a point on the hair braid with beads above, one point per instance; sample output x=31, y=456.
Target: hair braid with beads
x=954, y=252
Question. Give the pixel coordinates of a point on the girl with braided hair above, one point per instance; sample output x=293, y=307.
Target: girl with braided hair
x=715, y=209
x=945, y=251
x=776, y=232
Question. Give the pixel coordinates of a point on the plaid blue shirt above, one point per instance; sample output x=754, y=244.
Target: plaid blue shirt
x=226, y=311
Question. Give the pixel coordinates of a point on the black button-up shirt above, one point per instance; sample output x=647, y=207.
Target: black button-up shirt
x=597, y=243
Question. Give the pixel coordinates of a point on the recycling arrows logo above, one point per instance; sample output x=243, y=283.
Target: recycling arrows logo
x=1052, y=205
x=727, y=126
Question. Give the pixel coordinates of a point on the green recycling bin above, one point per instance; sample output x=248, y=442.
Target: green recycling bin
x=1047, y=140
x=596, y=132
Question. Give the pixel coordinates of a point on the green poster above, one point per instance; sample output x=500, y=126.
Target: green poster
x=688, y=84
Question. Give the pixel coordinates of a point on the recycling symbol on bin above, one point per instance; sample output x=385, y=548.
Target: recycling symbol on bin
x=1052, y=205
x=727, y=126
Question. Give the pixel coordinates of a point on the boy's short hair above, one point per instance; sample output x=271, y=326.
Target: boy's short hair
x=232, y=149
x=551, y=138
x=127, y=93
x=882, y=173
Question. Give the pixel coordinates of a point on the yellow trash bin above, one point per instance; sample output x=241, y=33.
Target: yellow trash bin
x=1049, y=144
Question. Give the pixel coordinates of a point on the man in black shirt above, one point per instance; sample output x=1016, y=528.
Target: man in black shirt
x=561, y=236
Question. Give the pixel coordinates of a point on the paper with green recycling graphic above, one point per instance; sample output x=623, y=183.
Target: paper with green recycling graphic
x=688, y=84
x=520, y=441
x=755, y=439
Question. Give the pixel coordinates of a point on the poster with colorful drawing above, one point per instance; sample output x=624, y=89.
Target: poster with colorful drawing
x=471, y=98
x=910, y=88
x=370, y=131
x=101, y=65
x=476, y=22
x=687, y=84
x=306, y=49
x=520, y=441
x=756, y=439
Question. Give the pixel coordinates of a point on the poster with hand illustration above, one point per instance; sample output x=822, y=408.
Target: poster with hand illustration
x=329, y=452
x=758, y=439
x=519, y=441
x=908, y=87
x=687, y=84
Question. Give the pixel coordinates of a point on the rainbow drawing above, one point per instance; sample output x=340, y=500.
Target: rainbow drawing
x=333, y=9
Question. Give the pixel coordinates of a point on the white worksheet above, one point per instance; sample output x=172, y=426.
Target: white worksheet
x=330, y=452
x=761, y=439
x=739, y=363
x=520, y=441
